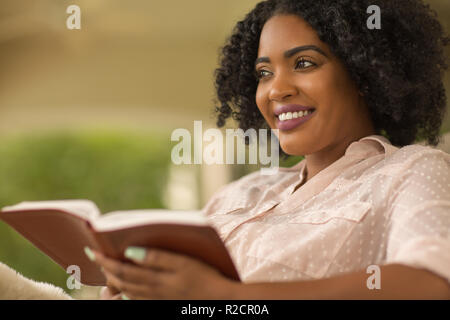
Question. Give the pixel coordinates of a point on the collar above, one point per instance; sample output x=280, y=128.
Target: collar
x=369, y=146
x=363, y=148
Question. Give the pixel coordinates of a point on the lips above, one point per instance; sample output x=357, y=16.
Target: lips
x=293, y=123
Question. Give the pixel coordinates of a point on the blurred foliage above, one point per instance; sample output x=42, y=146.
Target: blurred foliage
x=291, y=161
x=115, y=170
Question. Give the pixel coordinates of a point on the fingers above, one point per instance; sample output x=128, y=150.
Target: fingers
x=111, y=288
x=157, y=259
x=106, y=293
x=125, y=287
x=117, y=297
x=137, y=291
x=156, y=273
x=126, y=272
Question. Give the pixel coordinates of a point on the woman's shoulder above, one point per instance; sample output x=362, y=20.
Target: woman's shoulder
x=417, y=154
x=420, y=173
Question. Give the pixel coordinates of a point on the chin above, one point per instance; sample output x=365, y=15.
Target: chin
x=292, y=150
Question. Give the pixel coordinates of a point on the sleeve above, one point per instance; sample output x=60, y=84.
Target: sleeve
x=419, y=233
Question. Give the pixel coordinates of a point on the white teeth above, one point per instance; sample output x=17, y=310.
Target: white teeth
x=294, y=115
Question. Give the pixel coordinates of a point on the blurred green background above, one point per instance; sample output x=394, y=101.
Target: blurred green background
x=116, y=170
x=89, y=113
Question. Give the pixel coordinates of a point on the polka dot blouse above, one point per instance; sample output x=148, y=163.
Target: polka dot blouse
x=378, y=204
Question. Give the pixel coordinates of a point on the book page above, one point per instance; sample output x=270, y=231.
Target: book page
x=125, y=219
x=82, y=208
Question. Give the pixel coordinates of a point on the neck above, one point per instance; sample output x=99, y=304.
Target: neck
x=320, y=160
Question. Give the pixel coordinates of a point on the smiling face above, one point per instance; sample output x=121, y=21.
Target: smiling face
x=296, y=69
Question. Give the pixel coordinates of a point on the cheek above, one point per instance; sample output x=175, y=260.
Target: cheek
x=260, y=98
x=263, y=103
x=341, y=89
x=334, y=97
x=322, y=87
x=337, y=105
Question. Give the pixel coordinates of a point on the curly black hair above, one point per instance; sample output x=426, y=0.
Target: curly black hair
x=398, y=68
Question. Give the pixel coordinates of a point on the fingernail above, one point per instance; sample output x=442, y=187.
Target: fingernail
x=124, y=297
x=89, y=253
x=135, y=253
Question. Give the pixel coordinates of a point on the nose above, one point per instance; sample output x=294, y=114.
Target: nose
x=281, y=88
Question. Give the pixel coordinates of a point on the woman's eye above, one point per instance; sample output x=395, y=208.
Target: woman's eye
x=302, y=64
x=262, y=73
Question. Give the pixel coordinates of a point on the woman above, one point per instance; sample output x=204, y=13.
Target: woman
x=364, y=196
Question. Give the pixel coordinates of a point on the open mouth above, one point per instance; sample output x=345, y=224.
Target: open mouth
x=294, y=115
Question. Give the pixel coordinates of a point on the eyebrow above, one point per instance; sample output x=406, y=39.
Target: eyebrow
x=289, y=53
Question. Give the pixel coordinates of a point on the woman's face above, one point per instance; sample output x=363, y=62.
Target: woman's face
x=295, y=70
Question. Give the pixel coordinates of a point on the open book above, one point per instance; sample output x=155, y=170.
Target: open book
x=61, y=229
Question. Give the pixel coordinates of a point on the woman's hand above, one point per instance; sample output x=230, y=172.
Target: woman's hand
x=159, y=274
x=109, y=293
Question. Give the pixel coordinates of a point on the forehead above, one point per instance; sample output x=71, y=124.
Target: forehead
x=283, y=32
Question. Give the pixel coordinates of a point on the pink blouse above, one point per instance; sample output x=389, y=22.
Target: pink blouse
x=378, y=204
